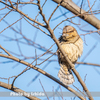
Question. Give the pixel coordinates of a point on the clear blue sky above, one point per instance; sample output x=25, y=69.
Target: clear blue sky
x=9, y=68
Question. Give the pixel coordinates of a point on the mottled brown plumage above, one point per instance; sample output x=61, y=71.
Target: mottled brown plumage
x=72, y=45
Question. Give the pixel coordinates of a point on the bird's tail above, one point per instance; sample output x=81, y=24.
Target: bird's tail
x=65, y=75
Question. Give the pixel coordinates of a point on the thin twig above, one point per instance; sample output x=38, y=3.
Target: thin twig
x=80, y=90
x=40, y=8
x=44, y=3
x=26, y=3
x=36, y=56
x=18, y=46
x=81, y=6
x=45, y=53
x=53, y=12
x=27, y=68
x=43, y=89
x=86, y=63
x=10, y=25
x=61, y=93
x=36, y=76
x=91, y=6
x=5, y=15
x=5, y=50
x=37, y=27
x=46, y=59
x=23, y=14
x=86, y=13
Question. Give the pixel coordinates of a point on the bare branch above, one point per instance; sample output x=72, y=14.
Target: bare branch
x=43, y=89
x=71, y=65
x=19, y=75
x=17, y=90
x=66, y=58
x=24, y=14
x=81, y=6
x=5, y=15
x=54, y=11
x=46, y=59
x=37, y=27
x=26, y=3
x=44, y=73
x=36, y=76
x=10, y=3
x=86, y=63
x=44, y=3
x=68, y=19
x=68, y=4
x=40, y=8
x=5, y=50
x=71, y=6
x=10, y=25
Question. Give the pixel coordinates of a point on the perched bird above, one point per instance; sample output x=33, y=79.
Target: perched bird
x=72, y=44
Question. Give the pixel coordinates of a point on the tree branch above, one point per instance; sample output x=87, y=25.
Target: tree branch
x=71, y=65
x=5, y=50
x=17, y=90
x=44, y=73
x=85, y=63
x=71, y=6
x=66, y=58
x=23, y=14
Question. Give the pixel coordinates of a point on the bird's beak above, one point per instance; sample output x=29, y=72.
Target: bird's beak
x=65, y=35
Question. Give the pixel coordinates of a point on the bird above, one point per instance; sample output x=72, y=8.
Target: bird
x=72, y=44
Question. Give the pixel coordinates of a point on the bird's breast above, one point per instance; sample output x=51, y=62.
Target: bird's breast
x=73, y=50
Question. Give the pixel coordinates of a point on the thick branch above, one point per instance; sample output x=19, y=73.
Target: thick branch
x=44, y=73
x=59, y=47
x=71, y=65
x=17, y=90
x=71, y=6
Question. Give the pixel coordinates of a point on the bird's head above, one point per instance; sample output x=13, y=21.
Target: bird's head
x=69, y=33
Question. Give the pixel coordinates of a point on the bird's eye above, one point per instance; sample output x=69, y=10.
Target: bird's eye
x=69, y=30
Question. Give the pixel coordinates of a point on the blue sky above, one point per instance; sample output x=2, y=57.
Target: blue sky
x=10, y=68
